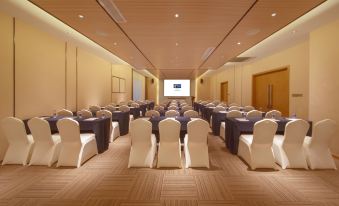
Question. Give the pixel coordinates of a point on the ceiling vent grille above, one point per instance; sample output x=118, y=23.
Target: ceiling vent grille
x=240, y=59
x=112, y=10
x=207, y=53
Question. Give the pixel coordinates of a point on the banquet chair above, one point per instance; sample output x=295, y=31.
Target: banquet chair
x=169, y=153
x=135, y=105
x=159, y=108
x=113, y=104
x=254, y=114
x=316, y=148
x=76, y=148
x=288, y=148
x=186, y=108
x=122, y=103
x=143, y=144
x=248, y=108
x=46, y=145
x=151, y=113
x=94, y=109
x=20, y=144
x=124, y=108
x=195, y=144
x=172, y=107
x=273, y=113
x=222, y=105
x=233, y=104
x=191, y=114
x=85, y=113
x=114, y=126
x=64, y=113
x=230, y=114
x=210, y=105
x=172, y=113
x=110, y=108
x=231, y=108
x=256, y=148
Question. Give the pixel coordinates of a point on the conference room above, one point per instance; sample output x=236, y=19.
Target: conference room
x=169, y=102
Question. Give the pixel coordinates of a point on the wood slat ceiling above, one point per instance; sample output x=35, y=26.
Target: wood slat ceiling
x=172, y=47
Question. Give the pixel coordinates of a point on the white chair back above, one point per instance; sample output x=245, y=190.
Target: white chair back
x=234, y=114
x=40, y=130
x=105, y=113
x=233, y=104
x=64, y=113
x=134, y=104
x=323, y=132
x=69, y=130
x=113, y=104
x=197, y=131
x=254, y=114
x=169, y=130
x=14, y=130
x=264, y=131
x=231, y=108
x=172, y=107
x=122, y=103
x=124, y=108
x=172, y=113
x=186, y=108
x=85, y=113
x=94, y=108
x=151, y=113
x=219, y=109
x=191, y=114
x=141, y=131
x=295, y=132
x=210, y=105
x=159, y=108
x=110, y=108
x=275, y=113
x=248, y=108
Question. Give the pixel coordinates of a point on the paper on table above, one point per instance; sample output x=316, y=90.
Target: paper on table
x=222, y=111
x=242, y=119
x=91, y=119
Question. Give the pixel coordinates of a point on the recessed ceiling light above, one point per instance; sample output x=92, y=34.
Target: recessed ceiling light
x=115, y=43
x=176, y=15
x=81, y=16
x=239, y=43
x=176, y=44
x=273, y=14
x=294, y=31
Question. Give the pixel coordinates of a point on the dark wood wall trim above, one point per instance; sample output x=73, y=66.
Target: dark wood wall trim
x=76, y=78
x=66, y=75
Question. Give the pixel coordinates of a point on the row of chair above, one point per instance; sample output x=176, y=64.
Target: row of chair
x=144, y=146
x=293, y=149
x=68, y=147
x=172, y=113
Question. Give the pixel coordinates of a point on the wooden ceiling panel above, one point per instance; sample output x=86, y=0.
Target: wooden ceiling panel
x=257, y=25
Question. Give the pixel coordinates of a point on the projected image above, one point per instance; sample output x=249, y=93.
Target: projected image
x=176, y=87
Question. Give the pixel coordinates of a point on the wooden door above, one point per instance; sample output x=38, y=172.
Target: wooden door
x=224, y=91
x=271, y=91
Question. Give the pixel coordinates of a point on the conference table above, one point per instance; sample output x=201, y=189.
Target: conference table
x=99, y=126
x=237, y=126
x=183, y=128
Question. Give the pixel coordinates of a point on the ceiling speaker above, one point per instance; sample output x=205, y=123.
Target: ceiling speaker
x=201, y=81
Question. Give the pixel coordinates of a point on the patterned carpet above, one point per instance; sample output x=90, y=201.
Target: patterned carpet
x=105, y=181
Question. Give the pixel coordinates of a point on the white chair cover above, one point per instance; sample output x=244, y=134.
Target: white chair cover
x=172, y=107
x=169, y=154
x=20, y=144
x=151, y=113
x=114, y=127
x=234, y=104
x=288, y=148
x=85, y=113
x=159, y=108
x=248, y=108
x=172, y=113
x=275, y=113
x=195, y=144
x=64, y=113
x=143, y=144
x=46, y=146
x=94, y=108
x=186, y=108
x=124, y=108
x=254, y=114
x=76, y=148
x=191, y=114
x=231, y=108
x=318, y=154
x=256, y=149
x=134, y=104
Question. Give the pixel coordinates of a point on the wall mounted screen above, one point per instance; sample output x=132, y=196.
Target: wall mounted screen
x=176, y=88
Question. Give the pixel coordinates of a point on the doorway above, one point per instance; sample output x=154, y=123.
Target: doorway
x=224, y=91
x=271, y=91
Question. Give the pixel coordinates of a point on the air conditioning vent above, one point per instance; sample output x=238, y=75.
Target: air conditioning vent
x=207, y=53
x=240, y=59
x=112, y=10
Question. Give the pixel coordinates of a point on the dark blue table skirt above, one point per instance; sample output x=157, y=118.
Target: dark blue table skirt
x=235, y=128
x=135, y=112
x=183, y=129
x=100, y=127
x=123, y=119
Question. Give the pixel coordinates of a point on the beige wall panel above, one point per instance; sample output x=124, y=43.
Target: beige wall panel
x=40, y=72
x=6, y=74
x=324, y=74
x=142, y=79
x=94, y=82
x=71, y=77
x=125, y=72
x=152, y=89
x=203, y=92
